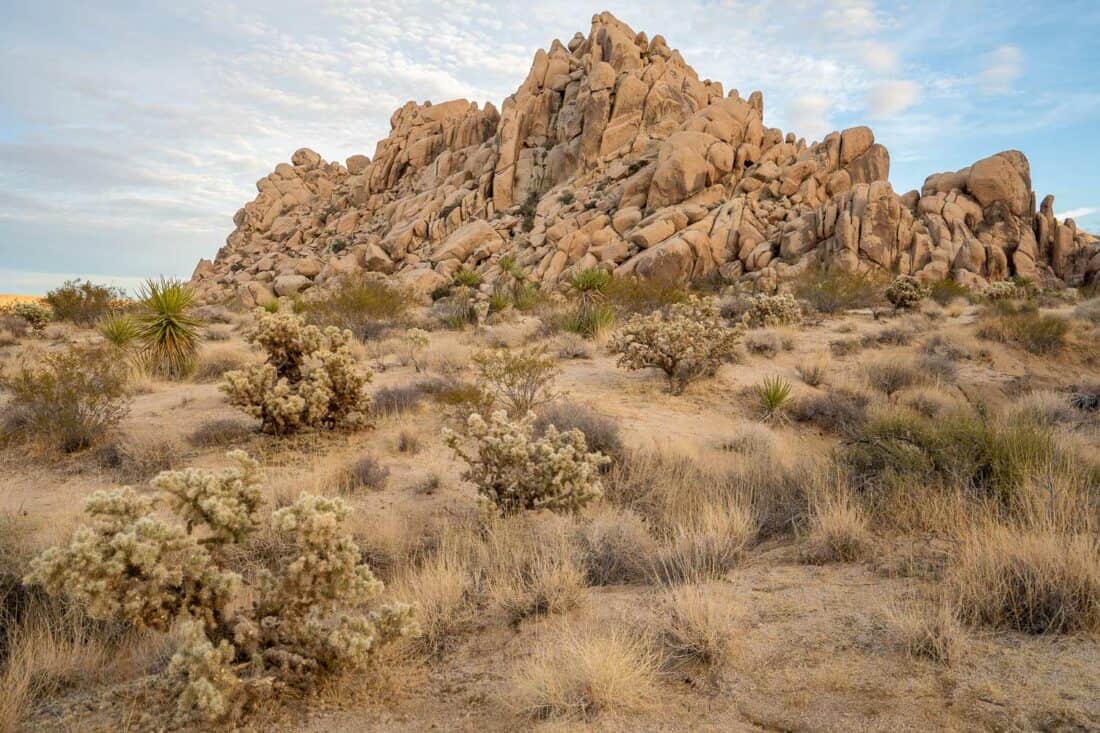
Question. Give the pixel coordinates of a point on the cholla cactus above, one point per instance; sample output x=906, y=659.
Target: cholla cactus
x=37, y=316
x=417, y=340
x=906, y=292
x=1002, y=290
x=309, y=380
x=772, y=310
x=513, y=471
x=301, y=619
x=686, y=340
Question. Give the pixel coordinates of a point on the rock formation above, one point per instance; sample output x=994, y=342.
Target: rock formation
x=613, y=153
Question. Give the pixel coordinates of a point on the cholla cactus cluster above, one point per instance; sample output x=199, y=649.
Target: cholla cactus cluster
x=299, y=621
x=906, y=292
x=514, y=471
x=37, y=316
x=686, y=340
x=1003, y=290
x=416, y=340
x=772, y=310
x=309, y=380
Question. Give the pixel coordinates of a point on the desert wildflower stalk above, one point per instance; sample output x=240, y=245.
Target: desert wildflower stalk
x=169, y=334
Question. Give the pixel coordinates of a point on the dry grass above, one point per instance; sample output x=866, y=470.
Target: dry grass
x=928, y=631
x=539, y=576
x=696, y=631
x=1032, y=580
x=616, y=547
x=444, y=590
x=584, y=674
x=137, y=458
x=838, y=531
x=215, y=359
x=221, y=432
x=707, y=544
x=365, y=472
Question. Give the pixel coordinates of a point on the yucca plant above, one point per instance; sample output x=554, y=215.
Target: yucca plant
x=512, y=275
x=591, y=315
x=467, y=277
x=499, y=300
x=119, y=329
x=271, y=306
x=772, y=394
x=169, y=334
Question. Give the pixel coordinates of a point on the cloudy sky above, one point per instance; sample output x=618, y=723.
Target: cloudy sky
x=131, y=132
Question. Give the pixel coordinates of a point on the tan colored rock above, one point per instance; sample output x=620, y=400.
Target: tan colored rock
x=462, y=243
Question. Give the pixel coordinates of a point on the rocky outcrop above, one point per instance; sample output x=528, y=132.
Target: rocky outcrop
x=613, y=153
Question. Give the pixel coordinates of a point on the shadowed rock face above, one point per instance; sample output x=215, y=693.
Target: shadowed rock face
x=613, y=153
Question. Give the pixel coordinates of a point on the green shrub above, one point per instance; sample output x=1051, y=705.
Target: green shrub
x=518, y=381
x=364, y=306
x=309, y=379
x=119, y=329
x=466, y=277
x=69, y=399
x=499, y=300
x=168, y=332
x=513, y=471
x=296, y=622
x=836, y=290
x=83, y=302
x=1024, y=326
x=630, y=295
x=947, y=290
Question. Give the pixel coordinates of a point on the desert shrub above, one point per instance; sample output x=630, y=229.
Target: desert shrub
x=845, y=346
x=136, y=459
x=215, y=361
x=309, y=379
x=301, y=624
x=993, y=458
x=220, y=432
x=937, y=368
x=629, y=295
x=767, y=343
x=813, y=373
x=366, y=472
x=518, y=381
x=906, y=292
x=364, y=306
x=947, y=290
x=685, y=340
x=390, y=401
x=929, y=631
x=514, y=471
x=1024, y=326
x=839, y=411
x=586, y=674
x=69, y=399
x=889, y=336
x=408, y=442
x=601, y=434
x=1036, y=581
x=167, y=330
x=615, y=546
x=836, y=290
x=941, y=346
x=443, y=590
x=538, y=576
x=83, y=302
x=772, y=310
x=35, y=315
x=837, y=532
x=696, y=631
x=772, y=395
x=890, y=377
x=416, y=341
x=1089, y=311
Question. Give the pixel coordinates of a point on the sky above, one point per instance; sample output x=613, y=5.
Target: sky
x=131, y=132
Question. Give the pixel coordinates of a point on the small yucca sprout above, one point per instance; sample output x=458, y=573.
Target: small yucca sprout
x=168, y=331
x=467, y=277
x=590, y=284
x=591, y=316
x=772, y=394
x=120, y=329
x=271, y=306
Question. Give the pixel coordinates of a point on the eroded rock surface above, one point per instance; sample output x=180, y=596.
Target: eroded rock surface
x=613, y=153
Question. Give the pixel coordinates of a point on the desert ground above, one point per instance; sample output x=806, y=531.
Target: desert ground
x=746, y=568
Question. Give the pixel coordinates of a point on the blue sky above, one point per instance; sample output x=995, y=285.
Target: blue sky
x=130, y=133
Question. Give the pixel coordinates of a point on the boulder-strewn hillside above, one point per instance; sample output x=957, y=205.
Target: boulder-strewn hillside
x=613, y=153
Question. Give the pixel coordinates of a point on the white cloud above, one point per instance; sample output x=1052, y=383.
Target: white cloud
x=1079, y=213
x=889, y=98
x=808, y=117
x=1003, y=67
x=851, y=17
x=878, y=56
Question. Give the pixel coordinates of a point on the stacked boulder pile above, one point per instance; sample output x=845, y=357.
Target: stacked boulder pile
x=614, y=154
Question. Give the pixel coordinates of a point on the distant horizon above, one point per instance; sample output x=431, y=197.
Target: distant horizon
x=140, y=132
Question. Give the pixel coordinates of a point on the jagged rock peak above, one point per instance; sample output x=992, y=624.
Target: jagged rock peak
x=613, y=153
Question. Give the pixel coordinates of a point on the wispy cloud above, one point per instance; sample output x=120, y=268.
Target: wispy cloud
x=1078, y=213
x=1002, y=69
